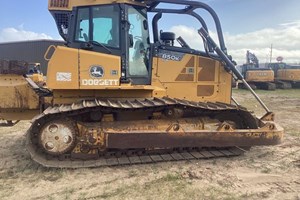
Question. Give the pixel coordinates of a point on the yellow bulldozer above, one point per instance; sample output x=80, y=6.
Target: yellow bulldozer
x=115, y=98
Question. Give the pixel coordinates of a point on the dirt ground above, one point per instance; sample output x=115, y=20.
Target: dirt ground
x=262, y=173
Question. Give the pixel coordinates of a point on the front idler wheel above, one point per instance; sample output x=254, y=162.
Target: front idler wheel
x=58, y=136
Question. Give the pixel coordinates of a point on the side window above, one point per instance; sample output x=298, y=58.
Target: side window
x=138, y=53
x=82, y=25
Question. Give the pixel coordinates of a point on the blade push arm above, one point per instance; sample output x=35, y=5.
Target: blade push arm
x=229, y=65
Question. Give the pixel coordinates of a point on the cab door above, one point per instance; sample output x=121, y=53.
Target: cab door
x=139, y=68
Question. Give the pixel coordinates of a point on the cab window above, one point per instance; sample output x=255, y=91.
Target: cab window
x=99, y=24
x=139, y=51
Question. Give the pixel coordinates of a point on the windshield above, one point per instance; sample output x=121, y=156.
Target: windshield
x=139, y=51
x=99, y=24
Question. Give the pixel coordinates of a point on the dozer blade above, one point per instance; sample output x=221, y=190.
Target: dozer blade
x=159, y=139
x=19, y=99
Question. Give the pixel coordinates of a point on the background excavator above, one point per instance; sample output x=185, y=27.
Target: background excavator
x=286, y=76
x=257, y=77
x=113, y=97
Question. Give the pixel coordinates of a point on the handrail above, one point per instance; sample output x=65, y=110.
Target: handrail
x=189, y=10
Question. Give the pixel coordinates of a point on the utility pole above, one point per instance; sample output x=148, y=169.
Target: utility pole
x=271, y=53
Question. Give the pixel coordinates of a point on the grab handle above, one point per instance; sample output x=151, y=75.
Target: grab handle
x=46, y=55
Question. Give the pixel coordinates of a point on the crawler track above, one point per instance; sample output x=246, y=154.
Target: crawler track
x=113, y=157
x=147, y=157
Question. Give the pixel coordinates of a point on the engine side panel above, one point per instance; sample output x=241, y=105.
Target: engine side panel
x=62, y=72
x=192, y=77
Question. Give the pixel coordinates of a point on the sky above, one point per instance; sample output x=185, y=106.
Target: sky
x=252, y=25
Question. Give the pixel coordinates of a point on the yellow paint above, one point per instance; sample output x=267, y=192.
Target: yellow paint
x=17, y=99
x=260, y=75
x=74, y=3
x=110, y=64
x=165, y=74
x=288, y=75
x=62, y=71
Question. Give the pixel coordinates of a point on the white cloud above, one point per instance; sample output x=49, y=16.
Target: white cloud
x=189, y=34
x=13, y=34
x=285, y=40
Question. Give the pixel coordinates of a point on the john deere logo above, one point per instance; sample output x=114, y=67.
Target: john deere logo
x=96, y=71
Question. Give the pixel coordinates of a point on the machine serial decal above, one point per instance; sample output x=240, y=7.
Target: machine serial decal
x=105, y=82
x=64, y=76
x=96, y=71
x=262, y=74
x=114, y=72
x=170, y=55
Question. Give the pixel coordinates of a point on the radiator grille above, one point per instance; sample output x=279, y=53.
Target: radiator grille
x=59, y=3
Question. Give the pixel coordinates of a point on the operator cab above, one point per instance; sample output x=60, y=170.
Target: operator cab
x=121, y=29
x=116, y=29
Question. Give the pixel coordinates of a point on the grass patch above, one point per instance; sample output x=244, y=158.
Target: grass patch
x=292, y=129
x=82, y=196
x=132, y=173
x=293, y=93
x=50, y=197
x=68, y=193
x=247, y=195
x=118, y=192
x=266, y=170
x=6, y=190
x=170, y=186
x=294, y=133
x=171, y=177
x=171, y=183
x=54, y=176
x=215, y=193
